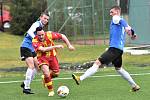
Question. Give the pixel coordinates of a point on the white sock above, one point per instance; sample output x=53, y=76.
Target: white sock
x=28, y=78
x=33, y=73
x=92, y=70
x=126, y=76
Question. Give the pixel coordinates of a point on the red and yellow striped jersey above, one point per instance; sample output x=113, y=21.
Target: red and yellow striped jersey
x=49, y=37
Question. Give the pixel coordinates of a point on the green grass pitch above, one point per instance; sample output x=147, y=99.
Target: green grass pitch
x=99, y=87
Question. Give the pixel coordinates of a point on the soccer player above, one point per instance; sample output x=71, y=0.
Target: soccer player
x=46, y=54
x=28, y=54
x=118, y=30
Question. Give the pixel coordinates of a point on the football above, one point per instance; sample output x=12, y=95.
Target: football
x=63, y=91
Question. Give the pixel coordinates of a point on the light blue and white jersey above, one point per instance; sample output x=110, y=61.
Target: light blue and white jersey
x=27, y=41
x=117, y=34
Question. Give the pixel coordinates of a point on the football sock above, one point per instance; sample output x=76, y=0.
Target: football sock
x=27, y=80
x=48, y=83
x=34, y=73
x=126, y=76
x=92, y=70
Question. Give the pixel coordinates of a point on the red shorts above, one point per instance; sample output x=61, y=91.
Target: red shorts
x=52, y=62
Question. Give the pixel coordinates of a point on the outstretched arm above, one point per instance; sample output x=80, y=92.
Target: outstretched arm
x=44, y=49
x=55, y=36
x=65, y=39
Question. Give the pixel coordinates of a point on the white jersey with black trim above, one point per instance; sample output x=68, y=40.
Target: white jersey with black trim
x=27, y=41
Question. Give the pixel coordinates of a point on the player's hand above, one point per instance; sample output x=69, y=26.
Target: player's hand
x=133, y=37
x=71, y=48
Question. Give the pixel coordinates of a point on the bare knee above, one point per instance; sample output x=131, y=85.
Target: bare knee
x=98, y=63
x=30, y=62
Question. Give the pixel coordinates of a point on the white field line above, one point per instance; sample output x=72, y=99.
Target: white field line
x=140, y=74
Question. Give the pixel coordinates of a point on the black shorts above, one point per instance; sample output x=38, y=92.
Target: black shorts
x=26, y=52
x=113, y=55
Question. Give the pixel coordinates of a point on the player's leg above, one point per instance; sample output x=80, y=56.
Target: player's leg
x=54, y=66
x=89, y=72
x=47, y=78
x=35, y=68
x=28, y=78
x=105, y=58
x=92, y=70
x=26, y=55
x=54, y=74
x=33, y=74
x=118, y=63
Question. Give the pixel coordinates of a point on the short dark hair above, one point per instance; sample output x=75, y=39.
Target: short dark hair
x=39, y=29
x=45, y=13
x=116, y=7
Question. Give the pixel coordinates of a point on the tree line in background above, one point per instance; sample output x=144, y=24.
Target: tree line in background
x=24, y=13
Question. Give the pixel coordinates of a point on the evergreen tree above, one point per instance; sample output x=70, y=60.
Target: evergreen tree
x=24, y=13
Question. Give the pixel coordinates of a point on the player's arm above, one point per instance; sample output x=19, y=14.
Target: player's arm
x=32, y=29
x=56, y=35
x=65, y=39
x=38, y=46
x=130, y=32
x=128, y=29
x=44, y=49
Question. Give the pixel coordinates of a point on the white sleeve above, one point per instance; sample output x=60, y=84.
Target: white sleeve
x=32, y=29
x=116, y=19
x=128, y=28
